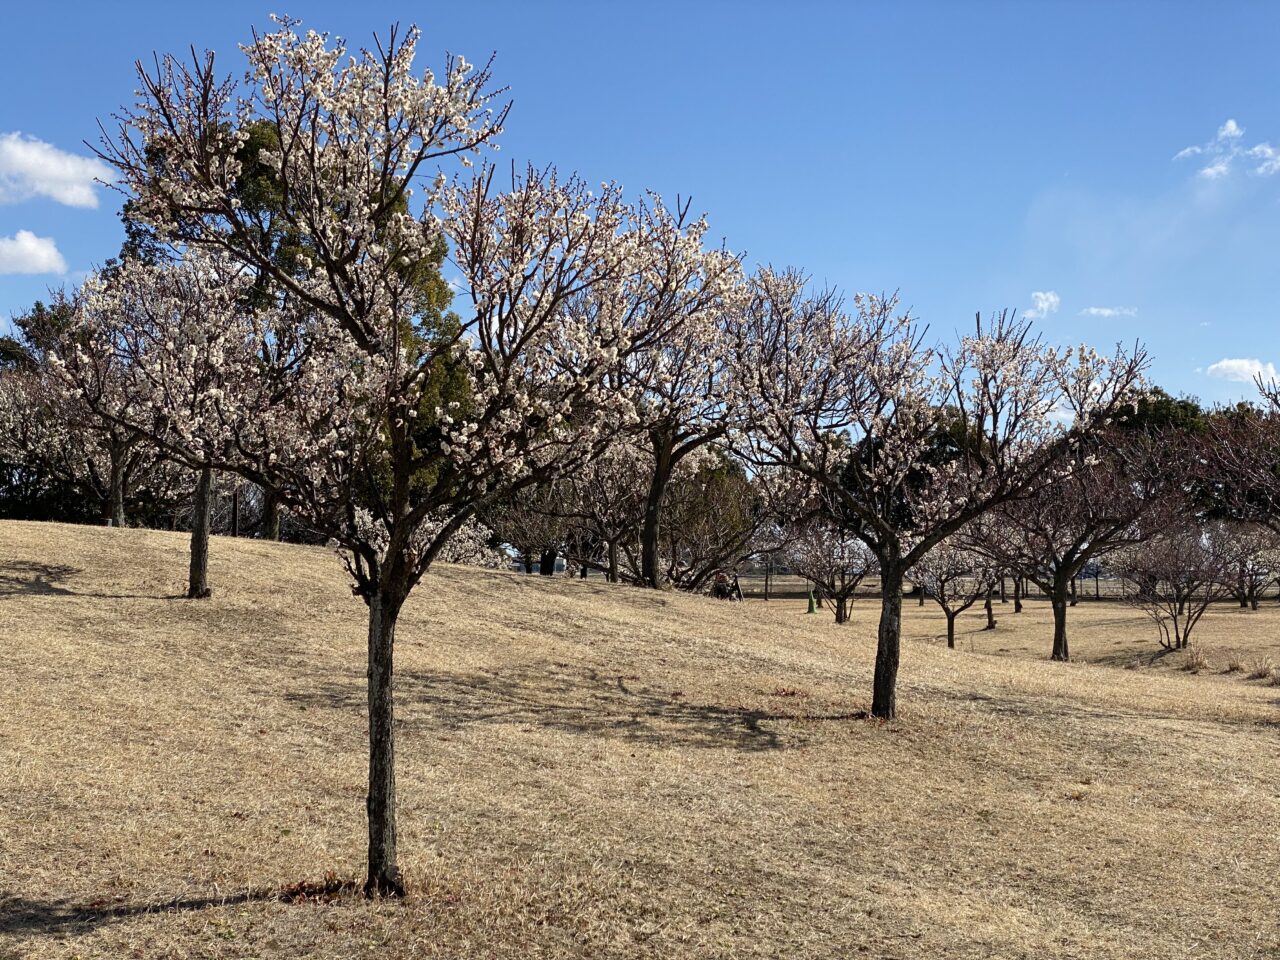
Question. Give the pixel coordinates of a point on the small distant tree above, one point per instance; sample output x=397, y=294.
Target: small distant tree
x=955, y=576
x=51, y=436
x=681, y=381
x=716, y=516
x=912, y=442
x=1177, y=575
x=1256, y=560
x=1090, y=511
x=834, y=560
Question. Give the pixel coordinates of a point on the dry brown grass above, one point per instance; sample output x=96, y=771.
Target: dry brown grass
x=590, y=771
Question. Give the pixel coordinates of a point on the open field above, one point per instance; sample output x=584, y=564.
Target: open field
x=596, y=771
x=1105, y=632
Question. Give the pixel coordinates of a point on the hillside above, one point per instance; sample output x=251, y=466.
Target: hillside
x=594, y=771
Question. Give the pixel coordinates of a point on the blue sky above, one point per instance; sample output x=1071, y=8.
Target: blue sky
x=969, y=155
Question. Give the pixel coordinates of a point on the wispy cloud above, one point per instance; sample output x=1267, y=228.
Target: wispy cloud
x=1241, y=369
x=1109, y=312
x=1044, y=302
x=32, y=168
x=1226, y=150
x=26, y=253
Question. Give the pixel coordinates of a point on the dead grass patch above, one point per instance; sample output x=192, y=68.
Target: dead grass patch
x=589, y=771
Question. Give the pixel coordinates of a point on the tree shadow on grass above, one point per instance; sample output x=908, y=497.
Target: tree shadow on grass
x=19, y=915
x=586, y=702
x=23, y=578
x=23, y=916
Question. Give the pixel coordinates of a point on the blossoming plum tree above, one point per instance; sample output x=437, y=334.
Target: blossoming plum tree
x=331, y=420
x=910, y=441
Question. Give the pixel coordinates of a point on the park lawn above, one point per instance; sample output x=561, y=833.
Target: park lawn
x=597, y=771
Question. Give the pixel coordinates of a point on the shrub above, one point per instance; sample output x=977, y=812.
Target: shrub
x=1260, y=668
x=1196, y=660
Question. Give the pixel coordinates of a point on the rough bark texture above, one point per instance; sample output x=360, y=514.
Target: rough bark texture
x=649, y=530
x=842, y=609
x=1017, y=594
x=991, y=614
x=951, y=630
x=384, y=877
x=613, y=561
x=198, y=576
x=1060, y=602
x=889, y=643
x=270, y=517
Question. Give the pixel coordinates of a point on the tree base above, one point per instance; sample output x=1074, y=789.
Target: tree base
x=204, y=594
x=385, y=886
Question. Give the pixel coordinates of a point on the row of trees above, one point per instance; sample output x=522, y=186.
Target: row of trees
x=279, y=315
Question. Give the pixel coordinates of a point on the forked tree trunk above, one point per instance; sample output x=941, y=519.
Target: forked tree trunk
x=1060, y=600
x=384, y=877
x=201, y=507
x=889, y=643
x=842, y=609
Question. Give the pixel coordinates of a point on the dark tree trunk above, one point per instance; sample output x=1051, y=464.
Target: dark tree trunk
x=951, y=629
x=1097, y=589
x=582, y=573
x=1060, y=600
x=991, y=614
x=1017, y=594
x=384, y=877
x=115, y=492
x=842, y=609
x=201, y=507
x=650, y=529
x=528, y=561
x=889, y=643
x=270, y=516
x=235, y=511
x=1074, y=597
x=1003, y=598
x=547, y=562
x=613, y=561
x=768, y=567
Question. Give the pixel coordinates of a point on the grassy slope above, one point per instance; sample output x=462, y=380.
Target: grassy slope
x=597, y=772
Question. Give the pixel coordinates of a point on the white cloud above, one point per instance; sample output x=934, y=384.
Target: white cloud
x=33, y=168
x=1241, y=369
x=1109, y=312
x=27, y=253
x=1226, y=148
x=1045, y=302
